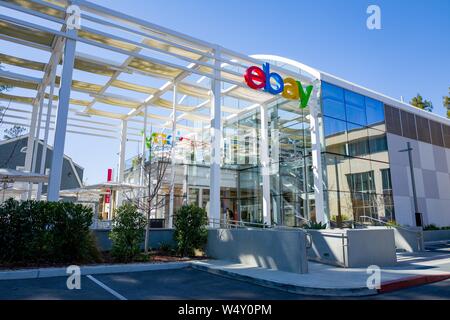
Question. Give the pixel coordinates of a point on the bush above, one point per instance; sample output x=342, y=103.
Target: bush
x=190, y=229
x=431, y=227
x=127, y=233
x=166, y=248
x=315, y=225
x=40, y=231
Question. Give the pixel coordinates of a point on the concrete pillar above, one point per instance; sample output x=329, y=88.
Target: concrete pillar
x=172, y=156
x=47, y=124
x=61, y=118
x=317, y=166
x=265, y=164
x=122, y=151
x=216, y=133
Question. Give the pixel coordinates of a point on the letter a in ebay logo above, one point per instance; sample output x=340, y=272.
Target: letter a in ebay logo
x=271, y=82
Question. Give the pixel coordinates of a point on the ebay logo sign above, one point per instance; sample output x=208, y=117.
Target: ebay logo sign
x=271, y=82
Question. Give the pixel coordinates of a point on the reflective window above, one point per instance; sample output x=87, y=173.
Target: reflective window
x=333, y=126
x=333, y=108
x=356, y=113
x=330, y=91
x=374, y=111
x=354, y=98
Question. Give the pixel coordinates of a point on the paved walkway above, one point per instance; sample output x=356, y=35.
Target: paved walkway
x=329, y=280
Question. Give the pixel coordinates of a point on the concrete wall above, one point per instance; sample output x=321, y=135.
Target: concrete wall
x=157, y=236
x=436, y=235
x=432, y=174
x=353, y=248
x=328, y=246
x=273, y=249
x=371, y=247
x=407, y=239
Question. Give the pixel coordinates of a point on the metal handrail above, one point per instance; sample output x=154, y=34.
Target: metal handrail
x=237, y=224
x=387, y=224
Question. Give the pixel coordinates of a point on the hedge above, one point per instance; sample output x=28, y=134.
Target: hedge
x=46, y=232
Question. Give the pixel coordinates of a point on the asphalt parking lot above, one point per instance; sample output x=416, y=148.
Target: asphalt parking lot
x=178, y=284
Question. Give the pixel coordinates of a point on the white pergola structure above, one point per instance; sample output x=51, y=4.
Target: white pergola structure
x=117, y=75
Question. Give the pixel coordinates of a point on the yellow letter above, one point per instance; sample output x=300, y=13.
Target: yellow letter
x=290, y=89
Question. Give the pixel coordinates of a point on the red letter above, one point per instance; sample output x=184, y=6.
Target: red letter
x=255, y=78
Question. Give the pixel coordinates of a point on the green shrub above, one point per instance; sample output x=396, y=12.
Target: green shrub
x=127, y=233
x=392, y=223
x=190, y=229
x=166, y=247
x=40, y=231
x=315, y=225
x=345, y=217
x=431, y=227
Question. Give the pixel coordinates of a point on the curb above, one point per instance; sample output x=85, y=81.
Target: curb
x=87, y=270
x=330, y=292
x=414, y=281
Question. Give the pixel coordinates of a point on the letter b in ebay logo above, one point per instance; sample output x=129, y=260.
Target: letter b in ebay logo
x=258, y=78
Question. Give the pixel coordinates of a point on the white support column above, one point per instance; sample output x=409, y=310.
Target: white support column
x=265, y=164
x=317, y=166
x=216, y=133
x=123, y=146
x=47, y=124
x=35, y=142
x=61, y=118
x=31, y=135
x=122, y=151
x=172, y=157
x=144, y=141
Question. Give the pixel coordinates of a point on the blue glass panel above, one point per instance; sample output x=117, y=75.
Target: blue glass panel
x=356, y=114
x=333, y=126
x=333, y=108
x=332, y=92
x=374, y=111
x=354, y=98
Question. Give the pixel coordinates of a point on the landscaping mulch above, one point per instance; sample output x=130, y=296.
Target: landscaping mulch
x=106, y=258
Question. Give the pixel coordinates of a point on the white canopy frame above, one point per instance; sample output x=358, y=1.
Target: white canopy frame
x=160, y=55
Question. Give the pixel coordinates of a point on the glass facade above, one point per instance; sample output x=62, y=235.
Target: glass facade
x=355, y=158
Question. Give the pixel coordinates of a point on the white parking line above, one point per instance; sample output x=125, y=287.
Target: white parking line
x=104, y=286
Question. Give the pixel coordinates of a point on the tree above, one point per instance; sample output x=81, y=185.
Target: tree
x=447, y=103
x=154, y=172
x=420, y=103
x=127, y=233
x=190, y=229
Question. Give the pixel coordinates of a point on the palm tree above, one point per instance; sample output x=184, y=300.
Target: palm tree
x=420, y=103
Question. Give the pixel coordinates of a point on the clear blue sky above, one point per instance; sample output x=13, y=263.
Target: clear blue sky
x=410, y=54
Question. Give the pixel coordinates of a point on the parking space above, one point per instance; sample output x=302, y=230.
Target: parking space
x=163, y=285
x=177, y=284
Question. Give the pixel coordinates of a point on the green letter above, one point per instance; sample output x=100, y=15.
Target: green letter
x=304, y=96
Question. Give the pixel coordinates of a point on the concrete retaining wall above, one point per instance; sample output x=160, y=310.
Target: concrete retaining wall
x=273, y=249
x=157, y=236
x=408, y=239
x=353, y=248
x=371, y=247
x=436, y=235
